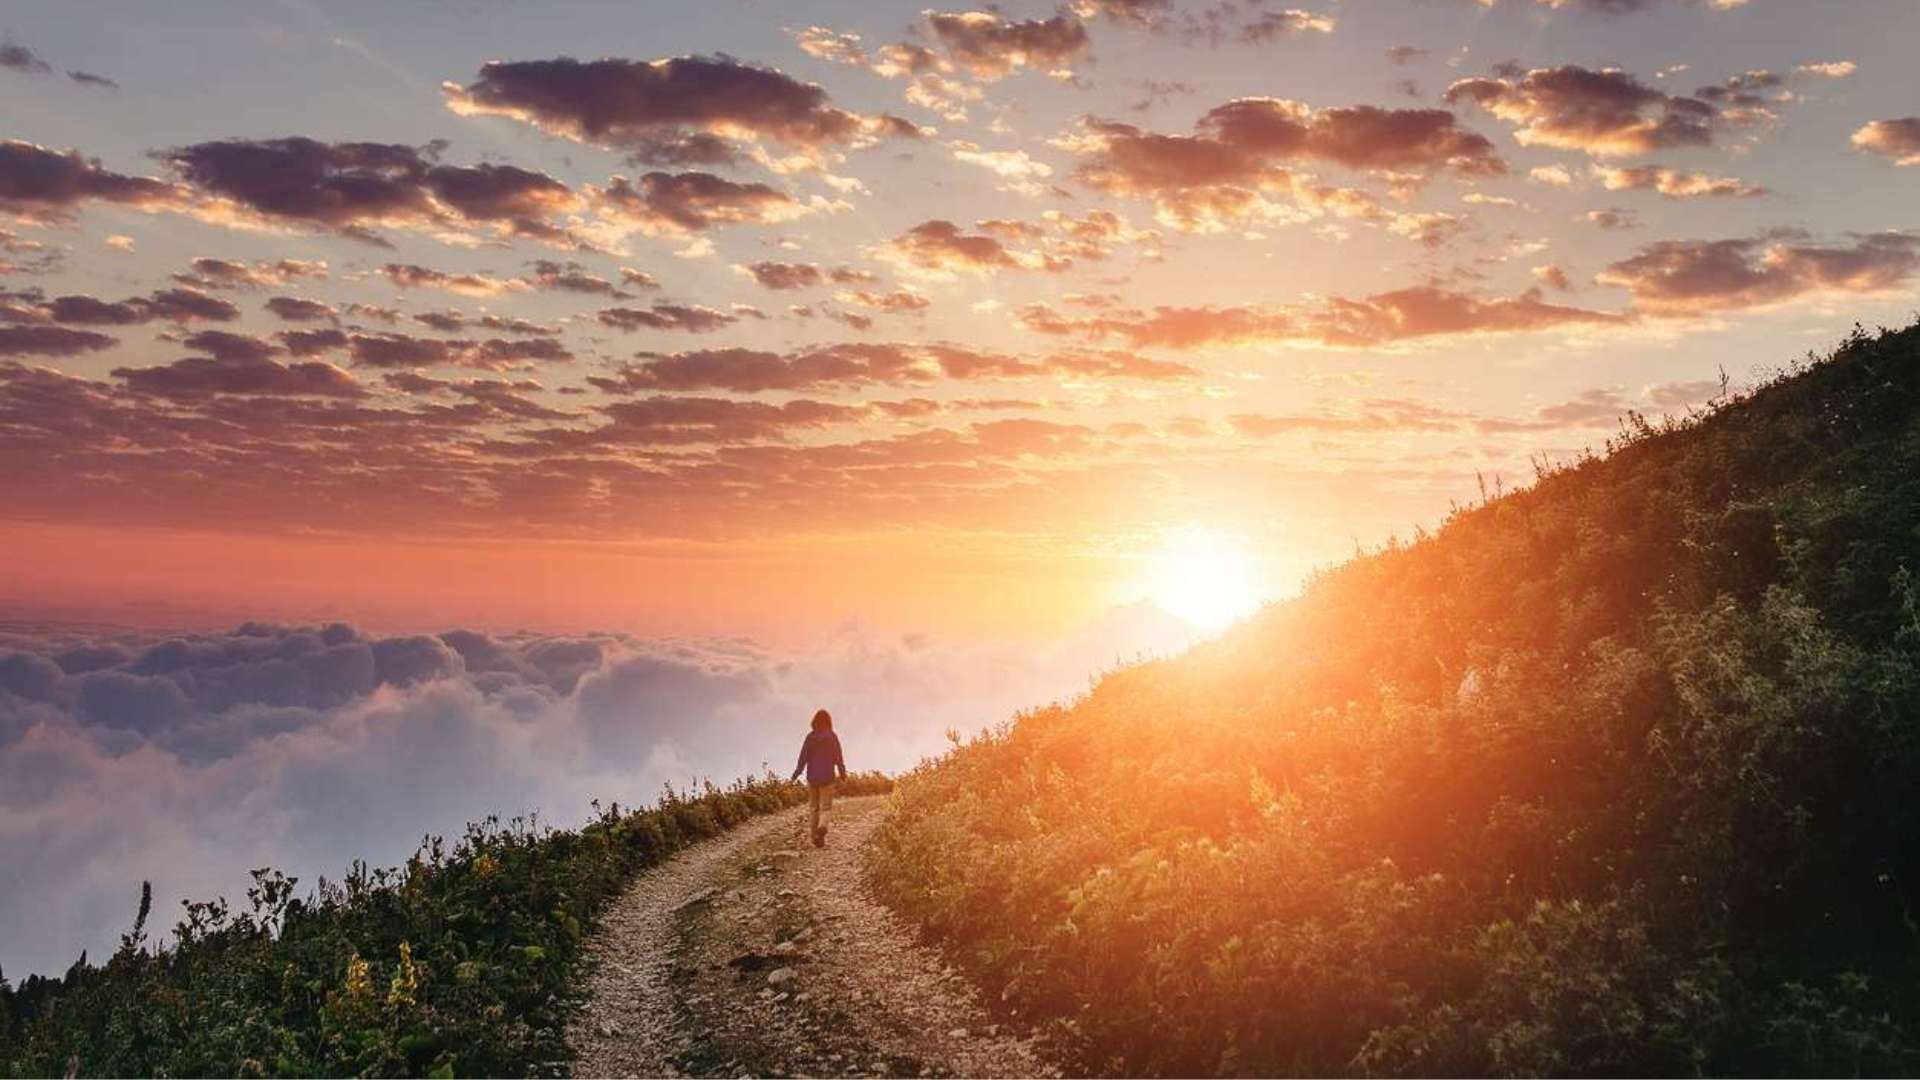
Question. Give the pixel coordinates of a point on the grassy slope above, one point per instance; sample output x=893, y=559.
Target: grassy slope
x=1615, y=774
x=462, y=962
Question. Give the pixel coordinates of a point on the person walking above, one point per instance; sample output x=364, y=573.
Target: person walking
x=821, y=760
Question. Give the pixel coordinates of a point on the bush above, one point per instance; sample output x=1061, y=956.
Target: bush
x=1610, y=775
x=460, y=962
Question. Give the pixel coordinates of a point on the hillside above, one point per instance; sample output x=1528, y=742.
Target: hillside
x=1613, y=774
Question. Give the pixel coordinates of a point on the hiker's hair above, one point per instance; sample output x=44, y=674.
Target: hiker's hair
x=823, y=721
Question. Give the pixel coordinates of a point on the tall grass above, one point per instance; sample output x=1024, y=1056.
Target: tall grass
x=461, y=962
x=1616, y=774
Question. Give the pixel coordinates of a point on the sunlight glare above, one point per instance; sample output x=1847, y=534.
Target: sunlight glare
x=1205, y=576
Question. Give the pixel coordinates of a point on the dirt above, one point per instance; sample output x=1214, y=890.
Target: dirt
x=756, y=954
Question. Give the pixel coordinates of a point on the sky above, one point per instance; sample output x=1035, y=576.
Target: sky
x=390, y=385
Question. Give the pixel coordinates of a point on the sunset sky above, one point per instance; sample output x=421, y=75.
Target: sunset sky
x=417, y=411
x=757, y=318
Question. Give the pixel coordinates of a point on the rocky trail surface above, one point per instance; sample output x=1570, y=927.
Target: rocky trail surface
x=756, y=954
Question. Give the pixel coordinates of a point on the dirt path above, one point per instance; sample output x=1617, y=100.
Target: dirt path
x=755, y=954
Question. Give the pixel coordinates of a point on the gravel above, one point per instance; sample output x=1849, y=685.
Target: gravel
x=756, y=954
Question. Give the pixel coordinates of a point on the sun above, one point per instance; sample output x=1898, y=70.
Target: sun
x=1205, y=576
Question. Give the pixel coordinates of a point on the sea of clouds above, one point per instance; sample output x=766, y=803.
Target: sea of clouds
x=187, y=759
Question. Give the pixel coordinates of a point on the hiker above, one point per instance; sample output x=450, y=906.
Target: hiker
x=821, y=759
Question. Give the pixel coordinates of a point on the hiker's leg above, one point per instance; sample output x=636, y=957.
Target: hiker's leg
x=826, y=804
x=813, y=794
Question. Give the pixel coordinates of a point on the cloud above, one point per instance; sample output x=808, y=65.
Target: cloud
x=783, y=276
x=896, y=302
x=189, y=760
x=38, y=184
x=1673, y=183
x=991, y=47
x=1613, y=217
x=1387, y=318
x=692, y=318
x=1897, y=139
x=237, y=370
x=1682, y=278
x=179, y=305
x=356, y=188
x=941, y=250
x=410, y=276
x=88, y=78
x=1605, y=113
x=210, y=273
x=299, y=309
x=854, y=365
x=1235, y=165
x=14, y=57
x=34, y=340
x=1623, y=7
x=572, y=277
x=677, y=111
x=1291, y=22
x=691, y=202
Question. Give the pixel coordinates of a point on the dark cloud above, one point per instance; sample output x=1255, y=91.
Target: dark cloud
x=674, y=111
x=1237, y=160
x=298, y=309
x=15, y=57
x=88, y=78
x=210, y=273
x=50, y=185
x=312, y=342
x=411, y=276
x=693, y=202
x=1680, y=278
x=357, y=188
x=394, y=350
x=234, y=369
x=222, y=345
x=940, y=249
x=180, y=305
x=572, y=277
x=784, y=275
x=35, y=340
x=692, y=318
x=1605, y=113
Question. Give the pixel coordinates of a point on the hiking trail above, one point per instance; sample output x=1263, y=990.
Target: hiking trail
x=756, y=954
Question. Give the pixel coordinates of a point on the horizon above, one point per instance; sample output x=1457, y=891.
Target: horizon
x=708, y=364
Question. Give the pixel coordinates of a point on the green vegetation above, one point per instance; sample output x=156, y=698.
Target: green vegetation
x=1612, y=775
x=458, y=963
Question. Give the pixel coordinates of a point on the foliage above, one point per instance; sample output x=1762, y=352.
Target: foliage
x=1611, y=775
x=463, y=961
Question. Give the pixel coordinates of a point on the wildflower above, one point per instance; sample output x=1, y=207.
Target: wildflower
x=405, y=979
x=359, y=981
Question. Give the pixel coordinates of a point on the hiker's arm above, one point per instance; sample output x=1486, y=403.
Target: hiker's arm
x=839, y=759
x=802, y=763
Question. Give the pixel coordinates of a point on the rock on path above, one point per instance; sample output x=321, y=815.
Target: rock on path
x=756, y=954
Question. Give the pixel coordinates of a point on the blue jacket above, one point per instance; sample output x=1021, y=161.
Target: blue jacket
x=820, y=756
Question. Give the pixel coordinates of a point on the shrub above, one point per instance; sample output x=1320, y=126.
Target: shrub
x=462, y=961
x=1613, y=774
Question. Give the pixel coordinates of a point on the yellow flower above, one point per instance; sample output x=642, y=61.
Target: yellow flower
x=405, y=980
x=359, y=980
